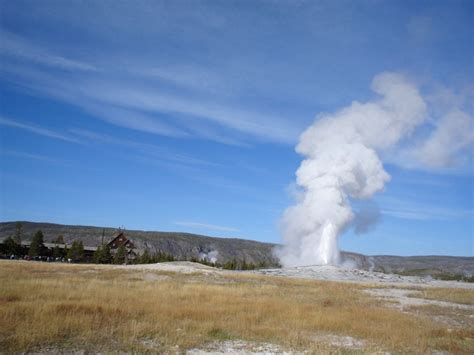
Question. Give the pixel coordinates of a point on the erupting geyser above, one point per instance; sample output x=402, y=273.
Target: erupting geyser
x=342, y=163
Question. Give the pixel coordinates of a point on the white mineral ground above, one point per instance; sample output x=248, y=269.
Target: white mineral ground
x=313, y=272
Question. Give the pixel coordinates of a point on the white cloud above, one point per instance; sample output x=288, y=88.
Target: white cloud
x=133, y=119
x=147, y=107
x=37, y=130
x=15, y=46
x=132, y=99
x=261, y=126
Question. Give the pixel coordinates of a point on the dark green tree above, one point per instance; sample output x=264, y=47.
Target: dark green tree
x=37, y=244
x=72, y=251
x=76, y=252
x=18, y=232
x=160, y=257
x=230, y=265
x=80, y=250
x=102, y=255
x=145, y=258
x=120, y=255
x=97, y=255
x=106, y=255
x=57, y=252
x=11, y=246
x=59, y=239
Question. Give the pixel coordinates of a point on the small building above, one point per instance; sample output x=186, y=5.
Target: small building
x=120, y=239
x=49, y=247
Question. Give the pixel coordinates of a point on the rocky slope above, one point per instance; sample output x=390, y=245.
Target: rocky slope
x=183, y=246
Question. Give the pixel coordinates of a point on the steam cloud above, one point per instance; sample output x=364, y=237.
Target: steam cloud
x=210, y=256
x=342, y=163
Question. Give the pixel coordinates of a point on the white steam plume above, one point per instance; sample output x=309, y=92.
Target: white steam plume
x=342, y=163
x=210, y=256
x=453, y=134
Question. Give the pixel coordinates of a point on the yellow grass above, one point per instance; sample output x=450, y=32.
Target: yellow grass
x=45, y=307
x=455, y=295
x=455, y=318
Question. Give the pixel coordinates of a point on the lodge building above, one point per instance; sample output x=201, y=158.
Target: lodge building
x=120, y=239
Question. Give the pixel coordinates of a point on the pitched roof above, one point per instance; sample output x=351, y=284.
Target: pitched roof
x=119, y=239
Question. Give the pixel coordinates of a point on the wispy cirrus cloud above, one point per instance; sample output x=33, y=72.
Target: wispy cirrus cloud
x=403, y=209
x=148, y=152
x=37, y=130
x=186, y=76
x=141, y=97
x=24, y=155
x=17, y=47
x=207, y=226
x=136, y=101
x=133, y=119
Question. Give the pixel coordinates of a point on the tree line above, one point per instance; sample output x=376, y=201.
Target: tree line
x=103, y=255
x=236, y=264
x=12, y=246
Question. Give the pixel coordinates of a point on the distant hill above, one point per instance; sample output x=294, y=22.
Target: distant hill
x=184, y=246
x=437, y=266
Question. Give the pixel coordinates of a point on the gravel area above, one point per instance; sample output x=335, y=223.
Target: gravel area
x=240, y=347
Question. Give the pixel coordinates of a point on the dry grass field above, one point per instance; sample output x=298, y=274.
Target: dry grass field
x=58, y=307
x=449, y=295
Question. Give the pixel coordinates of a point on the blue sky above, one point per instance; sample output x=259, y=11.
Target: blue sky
x=184, y=115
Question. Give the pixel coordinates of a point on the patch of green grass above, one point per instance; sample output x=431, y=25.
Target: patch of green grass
x=219, y=334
